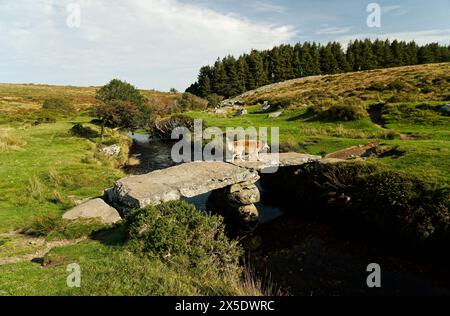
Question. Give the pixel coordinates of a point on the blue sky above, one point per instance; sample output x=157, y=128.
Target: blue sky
x=160, y=44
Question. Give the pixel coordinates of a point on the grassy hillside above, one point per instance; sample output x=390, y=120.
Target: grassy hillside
x=407, y=117
x=19, y=100
x=412, y=83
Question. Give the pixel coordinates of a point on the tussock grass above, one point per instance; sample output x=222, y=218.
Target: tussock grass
x=9, y=141
x=36, y=189
x=54, y=227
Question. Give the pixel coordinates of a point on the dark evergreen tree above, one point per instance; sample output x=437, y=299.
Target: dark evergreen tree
x=230, y=77
x=328, y=64
x=204, y=82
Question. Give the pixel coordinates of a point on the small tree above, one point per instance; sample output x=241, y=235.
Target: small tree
x=117, y=114
x=120, y=90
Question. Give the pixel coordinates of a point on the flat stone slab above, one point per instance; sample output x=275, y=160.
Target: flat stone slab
x=272, y=161
x=96, y=208
x=184, y=181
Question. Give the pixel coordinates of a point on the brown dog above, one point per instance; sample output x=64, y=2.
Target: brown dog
x=240, y=147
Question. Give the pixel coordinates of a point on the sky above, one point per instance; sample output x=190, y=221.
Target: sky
x=161, y=44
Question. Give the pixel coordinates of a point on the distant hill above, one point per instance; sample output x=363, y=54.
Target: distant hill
x=429, y=82
x=25, y=97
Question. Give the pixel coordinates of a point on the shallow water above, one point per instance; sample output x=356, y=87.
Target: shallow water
x=156, y=155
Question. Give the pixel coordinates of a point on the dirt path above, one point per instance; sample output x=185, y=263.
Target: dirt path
x=38, y=247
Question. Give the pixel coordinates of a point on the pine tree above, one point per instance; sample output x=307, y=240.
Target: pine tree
x=328, y=63
x=234, y=86
x=204, y=82
x=368, y=60
x=220, y=79
x=339, y=56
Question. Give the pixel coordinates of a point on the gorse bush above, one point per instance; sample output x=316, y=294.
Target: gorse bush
x=58, y=106
x=178, y=232
x=391, y=201
x=349, y=110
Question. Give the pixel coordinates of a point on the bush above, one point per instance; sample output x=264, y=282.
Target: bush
x=349, y=110
x=163, y=128
x=117, y=90
x=214, y=100
x=281, y=104
x=191, y=102
x=59, y=106
x=83, y=131
x=393, y=202
x=117, y=114
x=178, y=232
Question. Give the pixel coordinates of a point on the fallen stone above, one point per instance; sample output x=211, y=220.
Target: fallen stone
x=183, y=181
x=96, y=208
x=446, y=109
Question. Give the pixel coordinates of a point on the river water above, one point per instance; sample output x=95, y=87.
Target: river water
x=156, y=155
x=305, y=256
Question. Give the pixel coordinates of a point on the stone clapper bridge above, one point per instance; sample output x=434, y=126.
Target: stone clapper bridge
x=232, y=185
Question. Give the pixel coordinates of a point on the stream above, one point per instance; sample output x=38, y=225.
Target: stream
x=156, y=155
x=294, y=255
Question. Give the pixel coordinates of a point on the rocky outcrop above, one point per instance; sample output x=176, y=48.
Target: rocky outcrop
x=183, y=181
x=96, y=208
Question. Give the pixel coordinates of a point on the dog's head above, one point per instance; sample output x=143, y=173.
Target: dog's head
x=265, y=147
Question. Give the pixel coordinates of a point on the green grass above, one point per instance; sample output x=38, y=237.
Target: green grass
x=49, y=166
x=428, y=155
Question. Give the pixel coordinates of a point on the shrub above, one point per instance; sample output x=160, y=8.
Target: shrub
x=214, y=100
x=281, y=104
x=390, y=201
x=83, y=131
x=178, y=232
x=117, y=90
x=59, y=106
x=117, y=114
x=192, y=102
x=163, y=128
x=349, y=110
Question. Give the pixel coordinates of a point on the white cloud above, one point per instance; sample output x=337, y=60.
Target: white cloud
x=151, y=43
x=441, y=36
x=332, y=30
x=395, y=10
x=261, y=6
